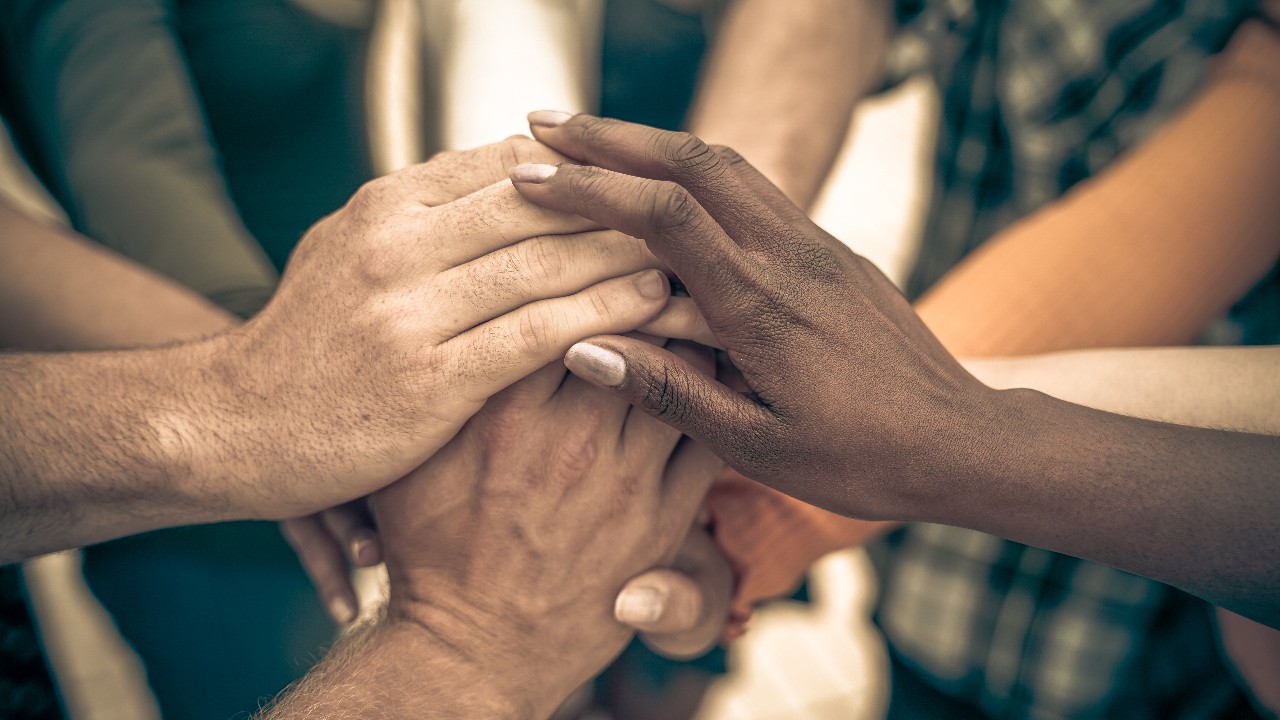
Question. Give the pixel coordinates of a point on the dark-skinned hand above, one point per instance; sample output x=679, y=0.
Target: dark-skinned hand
x=851, y=404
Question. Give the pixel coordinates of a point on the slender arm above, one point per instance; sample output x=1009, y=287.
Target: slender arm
x=62, y=292
x=782, y=81
x=1147, y=253
x=1227, y=388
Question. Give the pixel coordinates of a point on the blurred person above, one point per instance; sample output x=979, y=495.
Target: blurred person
x=1062, y=216
x=201, y=139
x=1126, y=492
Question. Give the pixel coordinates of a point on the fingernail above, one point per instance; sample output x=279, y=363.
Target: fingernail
x=597, y=364
x=364, y=550
x=548, y=118
x=639, y=605
x=341, y=611
x=652, y=285
x=532, y=172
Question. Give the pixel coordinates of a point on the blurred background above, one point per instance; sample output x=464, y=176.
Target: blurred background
x=232, y=126
x=203, y=137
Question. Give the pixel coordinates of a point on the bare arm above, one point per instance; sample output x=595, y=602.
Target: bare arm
x=61, y=292
x=782, y=81
x=810, y=325
x=1146, y=253
x=372, y=355
x=1228, y=388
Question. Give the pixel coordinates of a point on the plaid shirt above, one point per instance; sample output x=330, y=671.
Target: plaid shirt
x=1038, y=96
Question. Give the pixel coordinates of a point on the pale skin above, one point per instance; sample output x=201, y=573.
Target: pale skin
x=504, y=551
x=72, y=294
x=1119, y=490
x=378, y=346
x=782, y=80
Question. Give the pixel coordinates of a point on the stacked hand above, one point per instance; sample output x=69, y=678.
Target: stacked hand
x=850, y=403
x=542, y=256
x=512, y=542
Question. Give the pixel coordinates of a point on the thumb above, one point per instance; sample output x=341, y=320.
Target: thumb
x=670, y=389
x=677, y=616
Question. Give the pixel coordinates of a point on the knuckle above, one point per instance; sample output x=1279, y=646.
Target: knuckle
x=367, y=198
x=513, y=151
x=591, y=130
x=535, y=328
x=600, y=304
x=667, y=394
x=573, y=459
x=728, y=154
x=673, y=208
x=543, y=257
x=584, y=182
x=688, y=154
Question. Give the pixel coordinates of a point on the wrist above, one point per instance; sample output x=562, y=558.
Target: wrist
x=213, y=438
x=979, y=441
x=494, y=670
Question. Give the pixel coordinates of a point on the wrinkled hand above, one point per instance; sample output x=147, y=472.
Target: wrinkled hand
x=852, y=405
x=511, y=544
x=680, y=611
x=396, y=320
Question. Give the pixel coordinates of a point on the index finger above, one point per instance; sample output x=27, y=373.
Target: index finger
x=710, y=175
x=453, y=174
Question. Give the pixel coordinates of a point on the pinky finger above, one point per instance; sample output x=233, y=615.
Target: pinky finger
x=324, y=563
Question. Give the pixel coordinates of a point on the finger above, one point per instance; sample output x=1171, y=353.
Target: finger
x=354, y=533
x=498, y=353
x=323, y=562
x=763, y=187
x=681, y=320
x=668, y=608
x=692, y=469
x=491, y=218
x=644, y=435
x=697, y=602
x=671, y=390
x=664, y=155
x=575, y=397
x=450, y=175
x=536, y=269
x=675, y=226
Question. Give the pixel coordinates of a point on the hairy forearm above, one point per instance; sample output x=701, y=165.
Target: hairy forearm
x=782, y=81
x=99, y=445
x=394, y=668
x=1192, y=507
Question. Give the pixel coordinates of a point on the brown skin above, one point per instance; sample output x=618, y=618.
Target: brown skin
x=505, y=551
x=855, y=407
x=799, y=314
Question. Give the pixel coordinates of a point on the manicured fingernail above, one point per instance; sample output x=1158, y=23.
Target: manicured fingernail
x=533, y=172
x=597, y=364
x=548, y=118
x=639, y=605
x=364, y=550
x=341, y=611
x=652, y=285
